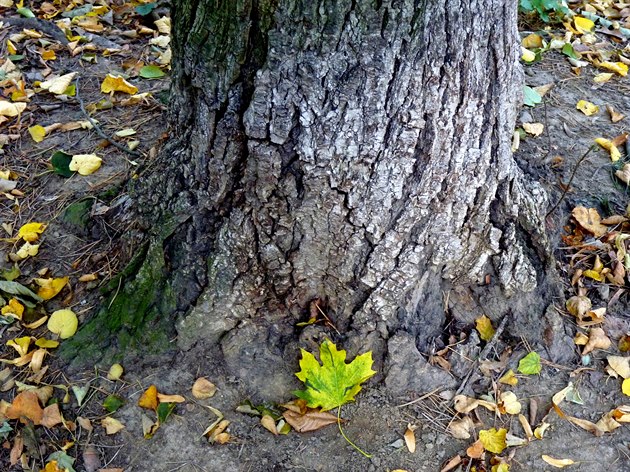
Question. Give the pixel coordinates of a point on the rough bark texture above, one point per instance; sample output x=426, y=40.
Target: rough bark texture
x=356, y=152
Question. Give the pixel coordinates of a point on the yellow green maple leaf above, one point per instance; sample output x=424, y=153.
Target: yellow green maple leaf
x=493, y=440
x=333, y=382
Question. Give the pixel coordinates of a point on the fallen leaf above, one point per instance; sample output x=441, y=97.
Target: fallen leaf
x=52, y=416
x=535, y=129
x=530, y=364
x=64, y=323
x=597, y=339
x=26, y=250
x=532, y=41
x=30, y=231
x=20, y=344
x=603, y=77
x=162, y=398
x=11, y=109
x=203, y=388
x=618, y=67
x=14, y=308
x=493, y=440
x=26, y=406
x=311, y=420
x=58, y=85
x=559, y=463
x=586, y=425
x=410, y=438
x=609, y=146
x=475, y=450
x=587, y=108
x=620, y=364
x=509, y=378
x=49, y=288
x=583, y=25
x=37, y=132
x=625, y=387
x=624, y=174
x=85, y=164
x=615, y=116
x=111, y=425
x=113, y=84
x=334, y=382
x=509, y=403
x=589, y=219
x=149, y=399
x=115, y=372
x=269, y=424
x=527, y=55
x=461, y=429
x=484, y=327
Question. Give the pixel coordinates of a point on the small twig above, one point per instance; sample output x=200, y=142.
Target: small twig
x=568, y=186
x=547, y=129
x=98, y=129
x=346, y=437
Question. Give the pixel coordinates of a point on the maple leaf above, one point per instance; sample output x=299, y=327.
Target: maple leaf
x=334, y=382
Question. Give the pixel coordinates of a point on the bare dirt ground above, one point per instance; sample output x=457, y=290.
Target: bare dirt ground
x=83, y=238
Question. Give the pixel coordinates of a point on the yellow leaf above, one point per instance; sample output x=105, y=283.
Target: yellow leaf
x=27, y=250
x=509, y=378
x=484, y=327
x=502, y=467
x=163, y=25
x=625, y=387
x=493, y=440
x=11, y=49
x=11, y=109
x=610, y=147
x=592, y=274
x=532, y=41
x=117, y=84
x=30, y=231
x=111, y=425
x=559, y=463
x=527, y=55
x=20, y=344
x=587, y=108
x=509, y=403
x=48, y=288
x=38, y=133
x=149, y=398
x=115, y=371
x=13, y=308
x=85, y=164
x=58, y=85
x=46, y=343
x=583, y=25
x=618, y=67
x=49, y=55
x=64, y=323
x=602, y=77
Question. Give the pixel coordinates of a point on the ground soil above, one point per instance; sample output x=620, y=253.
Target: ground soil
x=377, y=420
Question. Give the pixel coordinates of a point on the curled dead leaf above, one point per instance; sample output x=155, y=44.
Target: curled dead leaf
x=203, y=388
x=410, y=438
x=461, y=429
x=589, y=219
x=597, y=339
x=311, y=420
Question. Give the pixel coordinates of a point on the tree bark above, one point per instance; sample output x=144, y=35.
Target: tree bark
x=353, y=152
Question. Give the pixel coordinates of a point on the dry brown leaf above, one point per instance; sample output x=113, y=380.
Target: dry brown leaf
x=312, y=420
x=597, y=339
x=410, y=437
x=111, y=425
x=620, y=365
x=559, y=463
x=25, y=406
x=203, y=388
x=607, y=423
x=52, y=416
x=615, y=116
x=475, y=450
x=269, y=424
x=170, y=398
x=526, y=426
x=16, y=450
x=460, y=429
x=85, y=423
x=624, y=174
x=586, y=425
x=579, y=306
x=451, y=464
x=589, y=219
x=91, y=459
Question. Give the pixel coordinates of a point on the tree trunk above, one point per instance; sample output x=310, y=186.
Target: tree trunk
x=354, y=154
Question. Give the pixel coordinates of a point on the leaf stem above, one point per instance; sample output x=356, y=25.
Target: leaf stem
x=346, y=437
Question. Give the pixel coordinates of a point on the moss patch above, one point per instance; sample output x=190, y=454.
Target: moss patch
x=77, y=216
